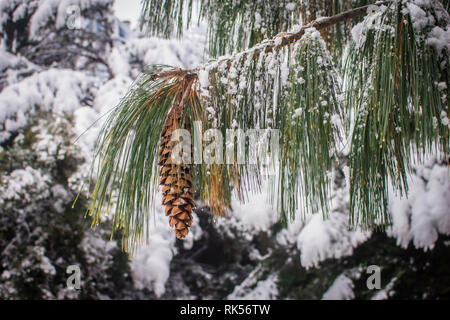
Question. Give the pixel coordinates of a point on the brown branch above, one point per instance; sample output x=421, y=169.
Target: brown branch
x=288, y=38
x=329, y=21
x=173, y=73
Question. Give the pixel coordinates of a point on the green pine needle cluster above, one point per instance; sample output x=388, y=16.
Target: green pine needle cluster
x=393, y=101
x=127, y=156
x=389, y=110
x=234, y=26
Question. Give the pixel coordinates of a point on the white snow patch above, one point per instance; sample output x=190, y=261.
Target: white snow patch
x=256, y=213
x=341, y=289
x=252, y=289
x=425, y=214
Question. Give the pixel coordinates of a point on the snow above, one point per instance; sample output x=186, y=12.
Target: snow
x=440, y=39
x=418, y=219
x=444, y=118
x=278, y=41
x=185, y=53
x=423, y=21
x=19, y=184
x=62, y=92
x=195, y=233
x=341, y=289
x=258, y=18
x=323, y=239
x=291, y=6
x=252, y=289
x=255, y=213
x=203, y=78
x=62, y=196
x=319, y=239
x=372, y=20
x=57, y=90
x=297, y=113
x=357, y=31
x=335, y=120
x=425, y=214
x=119, y=63
x=95, y=247
x=20, y=12
x=384, y=293
x=47, y=9
x=419, y=16
x=44, y=263
x=7, y=59
x=151, y=265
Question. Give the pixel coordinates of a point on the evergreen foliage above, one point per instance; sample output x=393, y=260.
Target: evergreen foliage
x=236, y=25
x=392, y=78
x=393, y=102
x=47, y=102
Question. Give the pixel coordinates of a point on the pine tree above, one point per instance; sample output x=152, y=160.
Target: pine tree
x=42, y=82
x=363, y=81
x=44, y=34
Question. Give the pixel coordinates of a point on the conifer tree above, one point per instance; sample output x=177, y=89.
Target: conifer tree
x=338, y=80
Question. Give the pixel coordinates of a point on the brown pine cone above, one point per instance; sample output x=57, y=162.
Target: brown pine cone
x=175, y=180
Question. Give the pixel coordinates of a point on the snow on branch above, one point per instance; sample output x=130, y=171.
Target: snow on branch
x=280, y=40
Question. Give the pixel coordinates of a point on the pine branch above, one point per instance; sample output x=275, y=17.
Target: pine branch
x=287, y=39
x=289, y=87
x=234, y=26
x=393, y=97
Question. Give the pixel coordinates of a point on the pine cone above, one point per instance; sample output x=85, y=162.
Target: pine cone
x=176, y=181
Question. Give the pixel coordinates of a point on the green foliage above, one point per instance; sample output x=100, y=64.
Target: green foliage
x=163, y=17
x=394, y=99
x=128, y=154
x=295, y=92
x=40, y=234
x=395, y=86
x=232, y=25
x=237, y=25
x=310, y=126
